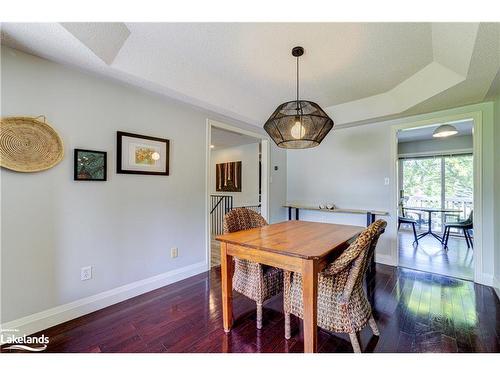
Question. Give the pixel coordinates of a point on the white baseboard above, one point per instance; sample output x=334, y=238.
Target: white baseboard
x=385, y=259
x=496, y=286
x=59, y=314
x=485, y=279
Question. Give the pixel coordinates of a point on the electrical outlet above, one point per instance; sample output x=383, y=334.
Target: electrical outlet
x=386, y=181
x=86, y=273
x=174, y=252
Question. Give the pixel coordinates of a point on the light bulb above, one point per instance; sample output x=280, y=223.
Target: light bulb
x=155, y=156
x=298, y=131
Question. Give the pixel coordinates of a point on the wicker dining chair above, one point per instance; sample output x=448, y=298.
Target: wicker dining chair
x=342, y=302
x=255, y=281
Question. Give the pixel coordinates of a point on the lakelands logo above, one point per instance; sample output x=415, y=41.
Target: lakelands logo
x=10, y=338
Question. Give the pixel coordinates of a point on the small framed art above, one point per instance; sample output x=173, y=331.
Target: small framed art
x=90, y=165
x=141, y=154
x=228, y=176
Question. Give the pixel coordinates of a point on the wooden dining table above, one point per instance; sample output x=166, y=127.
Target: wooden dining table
x=298, y=246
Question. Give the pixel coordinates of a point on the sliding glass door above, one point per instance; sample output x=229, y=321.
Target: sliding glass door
x=443, y=181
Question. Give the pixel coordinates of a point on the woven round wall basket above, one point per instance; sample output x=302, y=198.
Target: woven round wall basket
x=29, y=145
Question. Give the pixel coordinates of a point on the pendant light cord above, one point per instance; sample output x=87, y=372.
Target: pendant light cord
x=298, y=84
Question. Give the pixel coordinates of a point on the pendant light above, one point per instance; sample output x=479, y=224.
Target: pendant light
x=444, y=131
x=299, y=123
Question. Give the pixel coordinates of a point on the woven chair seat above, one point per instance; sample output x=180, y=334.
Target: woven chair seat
x=342, y=303
x=247, y=280
x=255, y=281
x=334, y=313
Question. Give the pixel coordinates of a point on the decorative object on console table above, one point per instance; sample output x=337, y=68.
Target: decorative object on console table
x=90, y=165
x=141, y=154
x=29, y=145
x=327, y=206
x=228, y=176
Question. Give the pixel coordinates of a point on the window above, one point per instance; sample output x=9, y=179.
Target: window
x=439, y=181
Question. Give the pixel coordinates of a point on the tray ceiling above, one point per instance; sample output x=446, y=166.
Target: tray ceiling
x=357, y=72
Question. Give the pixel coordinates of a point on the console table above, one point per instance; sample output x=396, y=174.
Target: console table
x=370, y=218
x=370, y=214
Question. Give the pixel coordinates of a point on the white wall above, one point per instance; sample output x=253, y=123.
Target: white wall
x=278, y=184
x=349, y=168
x=450, y=144
x=249, y=157
x=125, y=227
x=497, y=192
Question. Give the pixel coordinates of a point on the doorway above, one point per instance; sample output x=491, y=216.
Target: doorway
x=436, y=199
x=237, y=176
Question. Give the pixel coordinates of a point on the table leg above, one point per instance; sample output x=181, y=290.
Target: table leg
x=289, y=213
x=227, y=287
x=296, y=214
x=310, y=296
x=370, y=218
x=429, y=226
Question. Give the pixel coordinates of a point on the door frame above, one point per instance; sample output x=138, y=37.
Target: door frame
x=265, y=162
x=477, y=118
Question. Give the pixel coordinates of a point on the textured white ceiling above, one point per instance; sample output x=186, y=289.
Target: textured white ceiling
x=356, y=71
x=222, y=138
x=105, y=39
x=425, y=133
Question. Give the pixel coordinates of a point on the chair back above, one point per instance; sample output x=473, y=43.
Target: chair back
x=402, y=212
x=242, y=218
x=470, y=218
x=365, y=244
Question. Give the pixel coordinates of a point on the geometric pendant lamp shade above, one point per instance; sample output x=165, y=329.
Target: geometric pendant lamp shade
x=298, y=123
x=301, y=124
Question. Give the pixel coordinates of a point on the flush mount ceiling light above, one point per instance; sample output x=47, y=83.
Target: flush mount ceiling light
x=299, y=123
x=444, y=131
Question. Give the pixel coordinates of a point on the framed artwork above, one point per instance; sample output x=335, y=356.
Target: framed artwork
x=141, y=154
x=90, y=165
x=228, y=176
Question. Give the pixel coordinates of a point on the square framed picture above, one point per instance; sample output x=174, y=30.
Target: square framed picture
x=90, y=165
x=141, y=154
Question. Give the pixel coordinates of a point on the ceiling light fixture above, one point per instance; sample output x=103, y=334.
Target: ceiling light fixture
x=444, y=131
x=299, y=123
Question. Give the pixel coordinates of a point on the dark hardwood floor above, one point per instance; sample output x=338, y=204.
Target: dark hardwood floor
x=429, y=255
x=415, y=311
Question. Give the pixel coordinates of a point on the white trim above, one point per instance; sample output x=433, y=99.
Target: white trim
x=478, y=197
x=60, y=314
x=485, y=279
x=266, y=162
x=437, y=153
x=235, y=129
x=477, y=117
x=266, y=167
x=386, y=259
x=496, y=286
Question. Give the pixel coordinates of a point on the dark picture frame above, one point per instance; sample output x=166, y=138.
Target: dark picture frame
x=79, y=172
x=228, y=176
x=144, y=151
